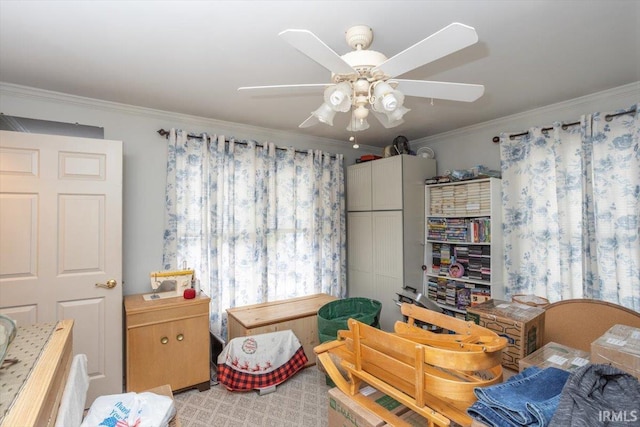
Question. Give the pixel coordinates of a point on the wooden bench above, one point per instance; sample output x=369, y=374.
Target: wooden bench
x=432, y=374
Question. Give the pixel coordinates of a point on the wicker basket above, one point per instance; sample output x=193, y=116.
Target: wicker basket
x=532, y=300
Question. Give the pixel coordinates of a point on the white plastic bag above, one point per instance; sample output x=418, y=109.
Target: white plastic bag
x=130, y=410
x=111, y=409
x=155, y=409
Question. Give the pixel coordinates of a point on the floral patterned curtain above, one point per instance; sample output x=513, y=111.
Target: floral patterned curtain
x=256, y=223
x=571, y=210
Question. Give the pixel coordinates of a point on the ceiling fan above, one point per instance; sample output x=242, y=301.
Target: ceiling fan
x=365, y=78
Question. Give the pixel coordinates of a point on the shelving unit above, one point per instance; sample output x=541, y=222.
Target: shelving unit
x=463, y=225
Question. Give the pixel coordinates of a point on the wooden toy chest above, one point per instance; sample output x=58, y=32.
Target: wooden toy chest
x=298, y=314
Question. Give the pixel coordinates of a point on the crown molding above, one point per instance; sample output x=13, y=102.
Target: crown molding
x=625, y=91
x=19, y=91
x=621, y=92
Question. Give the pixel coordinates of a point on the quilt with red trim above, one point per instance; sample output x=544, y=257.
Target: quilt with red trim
x=260, y=361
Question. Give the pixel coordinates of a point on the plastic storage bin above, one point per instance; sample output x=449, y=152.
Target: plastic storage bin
x=333, y=316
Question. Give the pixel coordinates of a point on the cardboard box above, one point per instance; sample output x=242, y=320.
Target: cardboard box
x=522, y=325
x=416, y=420
x=556, y=355
x=619, y=347
x=346, y=412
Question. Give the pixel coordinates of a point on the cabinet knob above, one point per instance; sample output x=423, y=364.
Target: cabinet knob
x=164, y=340
x=180, y=337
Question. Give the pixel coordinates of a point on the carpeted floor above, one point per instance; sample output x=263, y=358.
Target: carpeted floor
x=299, y=401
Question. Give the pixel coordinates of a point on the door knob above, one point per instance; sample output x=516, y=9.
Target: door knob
x=164, y=340
x=111, y=283
x=180, y=337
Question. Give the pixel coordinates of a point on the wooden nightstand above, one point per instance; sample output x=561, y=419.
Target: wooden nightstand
x=167, y=342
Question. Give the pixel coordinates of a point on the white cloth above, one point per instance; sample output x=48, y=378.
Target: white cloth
x=260, y=354
x=75, y=394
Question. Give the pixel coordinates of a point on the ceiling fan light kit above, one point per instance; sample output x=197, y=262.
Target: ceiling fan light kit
x=362, y=79
x=338, y=97
x=325, y=114
x=357, y=125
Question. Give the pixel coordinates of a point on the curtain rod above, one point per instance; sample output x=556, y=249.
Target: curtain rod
x=608, y=118
x=166, y=134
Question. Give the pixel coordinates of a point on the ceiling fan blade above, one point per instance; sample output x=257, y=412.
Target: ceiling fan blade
x=309, y=44
x=440, y=90
x=311, y=121
x=287, y=88
x=448, y=40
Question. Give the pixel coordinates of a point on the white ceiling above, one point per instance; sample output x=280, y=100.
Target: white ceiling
x=191, y=56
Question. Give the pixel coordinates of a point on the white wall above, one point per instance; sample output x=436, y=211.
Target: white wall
x=145, y=151
x=473, y=145
x=145, y=157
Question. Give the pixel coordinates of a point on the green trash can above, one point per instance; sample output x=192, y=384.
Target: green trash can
x=333, y=317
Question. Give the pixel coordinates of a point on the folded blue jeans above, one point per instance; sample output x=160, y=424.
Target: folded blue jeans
x=529, y=398
x=487, y=415
x=496, y=418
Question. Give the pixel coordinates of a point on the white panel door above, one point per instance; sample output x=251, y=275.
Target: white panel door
x=60, y=235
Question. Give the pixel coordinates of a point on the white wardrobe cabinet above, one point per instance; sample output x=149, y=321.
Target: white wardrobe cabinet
x=385, y=229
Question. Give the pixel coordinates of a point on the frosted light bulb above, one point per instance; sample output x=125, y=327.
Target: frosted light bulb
x=389, y=102
x=336, y=97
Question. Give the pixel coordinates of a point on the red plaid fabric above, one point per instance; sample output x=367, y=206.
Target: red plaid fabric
x=237, y=380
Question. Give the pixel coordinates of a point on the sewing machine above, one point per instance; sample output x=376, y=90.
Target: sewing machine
x=169, y=283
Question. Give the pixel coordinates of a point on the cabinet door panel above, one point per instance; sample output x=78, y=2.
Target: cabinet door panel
x=181, y=361
x=360, y=283
x=385, y=292
x=387, y=277
x=192, y=351
x=360, y=257
x=359, y=187
x=386, y=178
x=359, y=241
x=387, y=243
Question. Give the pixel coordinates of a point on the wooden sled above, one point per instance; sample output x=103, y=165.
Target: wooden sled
x=432, y=374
